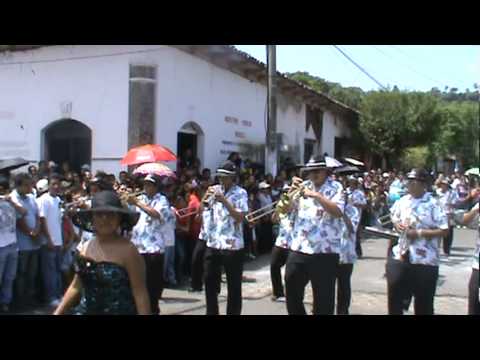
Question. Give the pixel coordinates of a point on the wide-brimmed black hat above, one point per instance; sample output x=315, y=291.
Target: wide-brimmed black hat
x=105, y=201
x=418, y=174
x=228, y=168
x=315, y=163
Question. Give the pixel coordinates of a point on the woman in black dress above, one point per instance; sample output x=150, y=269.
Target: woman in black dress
x=110, y=273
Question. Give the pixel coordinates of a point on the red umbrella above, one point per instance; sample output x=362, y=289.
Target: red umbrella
x=148, y=154
x=155, y=168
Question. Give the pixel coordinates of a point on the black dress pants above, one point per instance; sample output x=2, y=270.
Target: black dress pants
x=473, y=303
x=344, y=288
x=197, y=264
x=403, y=279
x=277, y=260
x=154, y=275
x=447, y=241
x=321, y=270
x=232, y=261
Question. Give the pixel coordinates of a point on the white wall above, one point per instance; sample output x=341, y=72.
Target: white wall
x=191, y=89
x=333, y=126
x=188, y=89
x=31, y=95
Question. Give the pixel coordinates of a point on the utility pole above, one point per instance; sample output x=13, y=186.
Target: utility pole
x=271, y=151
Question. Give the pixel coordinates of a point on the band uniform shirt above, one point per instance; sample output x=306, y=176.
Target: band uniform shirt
x=447, y=201
x=348, y=253
x=86, y=235
x=8, y=224
x=285, y=229
x=169, y=232
x=357, y=197
x=49, y=208
x=149, y=234
x=221, y=231
x=314, y=230
x=25, y=242
x=424, y=213
x=475, y=224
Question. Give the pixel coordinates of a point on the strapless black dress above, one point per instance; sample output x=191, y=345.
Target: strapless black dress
x=106, y=288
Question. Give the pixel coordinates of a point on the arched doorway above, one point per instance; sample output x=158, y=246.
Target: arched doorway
x=190, y=136
x=68, y=140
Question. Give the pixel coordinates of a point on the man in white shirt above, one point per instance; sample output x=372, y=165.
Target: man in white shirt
x=28, y=229
x=52, y=240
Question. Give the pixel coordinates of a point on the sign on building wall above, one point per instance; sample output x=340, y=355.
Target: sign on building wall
x=239, y=141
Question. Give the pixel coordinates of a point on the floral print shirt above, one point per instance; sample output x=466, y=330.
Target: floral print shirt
x=422, y=213
x=219, y=228
x=314, y=230
x=284, y=231
x=150, y=235
x=473, y=224
x=348, y=253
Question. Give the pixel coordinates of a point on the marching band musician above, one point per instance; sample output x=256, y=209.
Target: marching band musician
x=447, y=199
x=280, y=251
x=315, y=243
x=358, y=199
x=413, y=266
x=150, y=235
x=224, y=239
x=472, y=219
x=348, y=255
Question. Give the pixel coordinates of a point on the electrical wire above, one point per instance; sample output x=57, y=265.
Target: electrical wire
x=408, y=66
x=359, y=67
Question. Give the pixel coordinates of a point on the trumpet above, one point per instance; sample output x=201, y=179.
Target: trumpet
x=125, y=195
x=76, y=202
x=209, y=197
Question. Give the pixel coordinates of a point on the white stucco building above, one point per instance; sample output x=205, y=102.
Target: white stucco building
x=89, y=103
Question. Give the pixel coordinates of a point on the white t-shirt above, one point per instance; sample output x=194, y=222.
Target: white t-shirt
x=49, y=208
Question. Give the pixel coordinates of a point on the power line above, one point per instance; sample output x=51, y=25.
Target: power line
x=359, y=67
x=408, y=66
x=409, y=56
x=81, y=57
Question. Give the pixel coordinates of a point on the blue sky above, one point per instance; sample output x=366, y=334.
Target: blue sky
x=410, y=67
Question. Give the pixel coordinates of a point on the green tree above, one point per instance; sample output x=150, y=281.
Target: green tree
x=393, y=121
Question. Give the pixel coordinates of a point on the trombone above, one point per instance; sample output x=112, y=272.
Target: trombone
x=186, y=212
x=263, y=211
x=280, y=206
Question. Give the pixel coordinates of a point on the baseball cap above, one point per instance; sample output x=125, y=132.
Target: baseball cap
x=263, y=185
x=42, y=185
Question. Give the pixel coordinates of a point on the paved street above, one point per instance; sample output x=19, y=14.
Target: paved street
x=369, y=285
